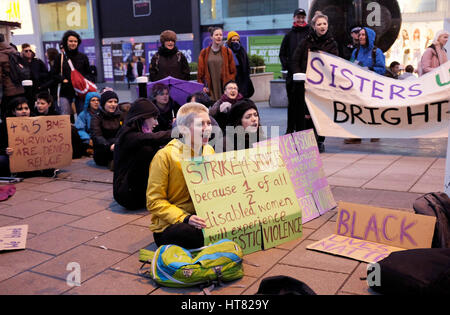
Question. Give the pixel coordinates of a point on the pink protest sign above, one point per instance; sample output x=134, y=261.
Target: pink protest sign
x=301, y=156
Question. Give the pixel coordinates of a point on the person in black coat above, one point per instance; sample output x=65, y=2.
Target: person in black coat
x=71, y=42
x=318, y=40
x=243, y=80
x=167, y=107
x=133, y=153
x=38, y=70
x=291, y=40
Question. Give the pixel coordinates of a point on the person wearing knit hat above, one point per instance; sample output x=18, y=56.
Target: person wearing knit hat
x=169, y=61
x=135, y=148
x=242, y=63
x=105, y=126
x=244, y=118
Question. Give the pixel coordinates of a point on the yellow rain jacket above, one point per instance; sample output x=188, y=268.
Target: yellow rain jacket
x=168, y=198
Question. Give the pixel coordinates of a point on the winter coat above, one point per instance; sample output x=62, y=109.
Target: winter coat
x=168, y=198
x=166, y=115
x=83, y=122
x=105, y=127
x=228, y=72
x=312, y=42
x=39, y=74
x=363, y=54
x=243, y=80
x=433, y=57
x=9, y=88
x=222, y=118
x=133, y=154
x=169, y=62
x=289, y=44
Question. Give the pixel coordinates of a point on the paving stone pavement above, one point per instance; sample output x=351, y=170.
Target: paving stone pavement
x=74, y=218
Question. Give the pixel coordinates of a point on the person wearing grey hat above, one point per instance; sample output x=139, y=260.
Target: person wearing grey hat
x=300, y=29
x=105, y=125
x=135, y=148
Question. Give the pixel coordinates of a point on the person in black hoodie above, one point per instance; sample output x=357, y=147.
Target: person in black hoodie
x=318, y=40
x=71, y=42
x=105, y=126
x=169, y=61
x=133, y=153
x=167, y=107
x=290, y=42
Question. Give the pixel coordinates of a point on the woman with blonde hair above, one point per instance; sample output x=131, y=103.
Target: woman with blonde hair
x=435, y=55
x=173, y=217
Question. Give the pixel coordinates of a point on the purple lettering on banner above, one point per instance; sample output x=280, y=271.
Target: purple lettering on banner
x=361, y=88
x=315, y=69
x=353, y=228
x=419, y=92
x=351, y=82
x=343, y=221
x=393, y=86
x=385, y=236
x=404, y=234
x=374, y=88
x=372, y=226
x=333, y=75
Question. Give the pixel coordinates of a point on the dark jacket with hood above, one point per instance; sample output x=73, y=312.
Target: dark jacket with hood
x=105, y=127
x=364, y=54
x=220, y=117
x=80, y=62
x=289, y=44
x=243, y=80
x=169, y=62
x=9, y=88
x=313, y=42
x=133, y=153
x=166, y=115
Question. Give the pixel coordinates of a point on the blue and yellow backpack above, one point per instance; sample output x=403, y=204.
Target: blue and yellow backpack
x=174, y=266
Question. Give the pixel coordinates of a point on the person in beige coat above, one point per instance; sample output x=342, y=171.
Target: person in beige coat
x=435, y=55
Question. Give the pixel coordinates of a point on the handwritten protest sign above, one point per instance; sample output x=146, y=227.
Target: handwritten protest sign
x=346, y=100
x=39, y=142
x=370, y=234
x=301, y=156
x=245, y=196
x=13, y=237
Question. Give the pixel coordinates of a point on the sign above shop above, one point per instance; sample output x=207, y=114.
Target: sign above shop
x=142, y=8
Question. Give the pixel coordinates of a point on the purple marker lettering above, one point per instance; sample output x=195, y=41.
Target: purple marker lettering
x=386, y=237
x=350, y=80
x=353, y=228
x=374, y=88
x=372, y=226
x=333, y=75
x=361, y=87
x=419, y=92
x=343, y=222
x=393, y=87
x=403, y=232
x=316, y=70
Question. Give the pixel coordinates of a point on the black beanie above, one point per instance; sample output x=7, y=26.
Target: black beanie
x=106, y=96
x=238, y=110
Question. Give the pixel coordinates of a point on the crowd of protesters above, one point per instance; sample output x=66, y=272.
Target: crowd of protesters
x=138, y=143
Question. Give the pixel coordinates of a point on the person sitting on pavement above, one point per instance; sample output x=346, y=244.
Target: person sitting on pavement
x=167, y=107
x=105, y=125
x=221, y=108
x=173, y=216
x=135, y=148
x=83, y=121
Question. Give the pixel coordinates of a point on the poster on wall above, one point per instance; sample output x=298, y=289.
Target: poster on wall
x=107, y=63
x=268, y=47
x=117, y=60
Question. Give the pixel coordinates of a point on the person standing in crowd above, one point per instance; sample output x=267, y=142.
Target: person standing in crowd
x=221, y=108
x=136, y=146
x=409, y=73
x=435, y=55
x=300, y=29
x=83, y=122
x=349, y=48
x=245, y=120
x=51, y=83
x=167, y=107
x=139, y=67
x=367, y=55
x=242, y=63
x=393, y=71
x=215, y=65
x=130, y=74
x=38, y=70
x=9, y=88
x=169, y=61
x=173, y=217
x=17, y=107
x=71, y=42
x=320, y=39
x=105, y=126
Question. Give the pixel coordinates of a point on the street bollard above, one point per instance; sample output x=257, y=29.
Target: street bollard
x=142, y=83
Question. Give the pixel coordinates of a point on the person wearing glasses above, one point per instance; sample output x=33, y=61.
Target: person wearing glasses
x=38, y=70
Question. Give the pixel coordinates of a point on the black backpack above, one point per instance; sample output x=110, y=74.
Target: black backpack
x=436, y=204
x=424, y=271
x=17, y=70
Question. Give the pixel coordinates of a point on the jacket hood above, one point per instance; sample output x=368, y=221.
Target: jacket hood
x=371, y=36
x=142, y=108
x=89, y=96
x=6, y=48
x=66, y=37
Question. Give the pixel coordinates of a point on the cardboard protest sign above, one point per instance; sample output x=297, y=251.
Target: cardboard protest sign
x=39, y=143
x=13, y=237
x=346, y=100
x=370, y=234
x=245, y=196
x=301, y=156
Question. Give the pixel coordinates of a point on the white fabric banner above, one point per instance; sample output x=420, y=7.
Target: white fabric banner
x=348, y=101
